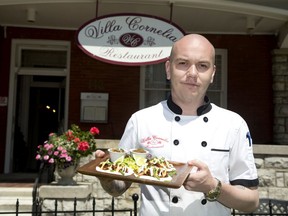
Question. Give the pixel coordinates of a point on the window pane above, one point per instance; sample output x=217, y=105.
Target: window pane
x=154, y=97
x=215, y=97
x=43, y=58
x=155, y=77
x=217, y=84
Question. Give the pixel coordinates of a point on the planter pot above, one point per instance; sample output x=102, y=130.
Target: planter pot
x=66, y=173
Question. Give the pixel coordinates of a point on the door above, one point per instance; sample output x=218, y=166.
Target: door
x=44, y=106
x=39, y=77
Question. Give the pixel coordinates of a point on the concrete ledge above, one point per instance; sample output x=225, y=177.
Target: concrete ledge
x=276, y=150
x=105, y=144
x=81, y=190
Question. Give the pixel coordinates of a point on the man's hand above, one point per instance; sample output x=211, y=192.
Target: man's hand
x=202, y=180
x=113, y=187
x=99, y=154
x=240, y=198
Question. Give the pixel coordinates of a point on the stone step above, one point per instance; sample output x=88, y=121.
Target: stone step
x=16, y=191
x=8, y=204
x=9, y=197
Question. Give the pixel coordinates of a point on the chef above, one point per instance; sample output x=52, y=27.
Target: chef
x=188, y=128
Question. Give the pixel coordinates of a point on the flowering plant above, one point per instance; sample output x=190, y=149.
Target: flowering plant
x=68, y=148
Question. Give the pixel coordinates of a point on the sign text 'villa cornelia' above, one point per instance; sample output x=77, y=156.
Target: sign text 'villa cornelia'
x=128, y=39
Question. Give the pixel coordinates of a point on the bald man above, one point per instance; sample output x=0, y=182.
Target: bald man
x=188, y=128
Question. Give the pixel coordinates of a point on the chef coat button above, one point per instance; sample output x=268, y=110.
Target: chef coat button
x=177, y=118
x=203, y=202
x=175, y=199
x=205, y=119
x=176, y=142
x=203, y=143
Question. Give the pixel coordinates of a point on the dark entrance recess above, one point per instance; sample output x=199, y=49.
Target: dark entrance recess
x=46, y=113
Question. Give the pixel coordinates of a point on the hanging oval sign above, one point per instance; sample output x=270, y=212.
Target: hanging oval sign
x=128, y=39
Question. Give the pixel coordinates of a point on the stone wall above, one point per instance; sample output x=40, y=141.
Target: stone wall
x=280, y=96
x=271, y=162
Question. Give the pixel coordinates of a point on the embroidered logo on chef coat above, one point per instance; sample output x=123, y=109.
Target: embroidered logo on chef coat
x=248, y=136
x=153, y=141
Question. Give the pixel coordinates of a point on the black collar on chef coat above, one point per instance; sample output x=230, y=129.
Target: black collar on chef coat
x=205, y=108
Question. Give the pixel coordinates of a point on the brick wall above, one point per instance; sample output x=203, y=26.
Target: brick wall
x=121, y=82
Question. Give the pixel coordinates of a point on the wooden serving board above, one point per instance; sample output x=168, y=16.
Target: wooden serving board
x=182, y=170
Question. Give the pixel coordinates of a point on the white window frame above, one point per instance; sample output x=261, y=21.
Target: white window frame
x=223, y=91
x=15, y=69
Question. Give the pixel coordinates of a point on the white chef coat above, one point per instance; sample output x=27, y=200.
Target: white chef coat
x=216, y=136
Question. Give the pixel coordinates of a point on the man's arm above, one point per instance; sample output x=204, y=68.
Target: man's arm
x=236, y=197
x=239, y=197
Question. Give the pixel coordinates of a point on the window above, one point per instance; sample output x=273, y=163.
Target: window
x=154, y=87
x=43, y=58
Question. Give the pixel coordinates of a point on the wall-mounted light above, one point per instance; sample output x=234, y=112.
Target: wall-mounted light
x=250, y=23
x=31, y=15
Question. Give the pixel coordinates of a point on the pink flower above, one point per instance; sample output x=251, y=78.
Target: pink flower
x=63, y=155
x=67, y=147
x=83, y=146
x=46, y=157
x=94, y=130
x=47, y=146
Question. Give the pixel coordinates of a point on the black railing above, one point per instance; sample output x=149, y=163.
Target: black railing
x=268, y=207
x=45, y=175
x=271, y=207
x=37, y=210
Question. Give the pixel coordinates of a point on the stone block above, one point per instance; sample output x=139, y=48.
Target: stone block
x=263, y=192
x=266, y=177
x=283, y=110
x=49, y=205
x=279, y=59
x=278, y=193
x=279, y=86
x=81, y=190
x=286, y=179
x=276, y=162
x=279, y=129
x=259, y=163
x=280, y=179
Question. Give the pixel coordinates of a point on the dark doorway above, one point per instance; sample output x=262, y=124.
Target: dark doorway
x=45, y=114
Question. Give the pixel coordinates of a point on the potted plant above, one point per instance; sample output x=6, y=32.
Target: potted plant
x=65, y=151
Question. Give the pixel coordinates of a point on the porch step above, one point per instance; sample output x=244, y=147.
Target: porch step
x=16, y=192
x=9, y=197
